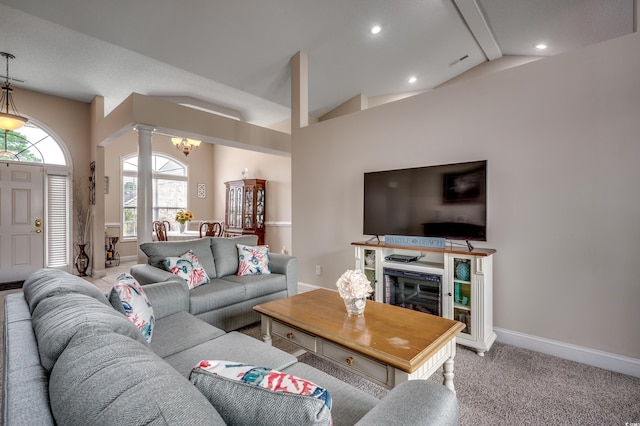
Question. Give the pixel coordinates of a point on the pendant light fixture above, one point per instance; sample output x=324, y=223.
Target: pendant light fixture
x=10, y=119
x=185, y=145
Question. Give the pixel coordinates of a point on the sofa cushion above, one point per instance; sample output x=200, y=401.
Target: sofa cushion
x=216, y=294
x=253, y=260
x=128, y=297
x=104, y=378
x=225, y=253
x=181, y=331
x=233, y=345
x=56, y=319
x=47, y=282
x=259, y=285
x=157, y=251
x=188, y=268
x=25, y=381
x=250, y=395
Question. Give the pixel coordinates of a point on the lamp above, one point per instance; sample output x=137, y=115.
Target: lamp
x=185, y=145
x=8, y=120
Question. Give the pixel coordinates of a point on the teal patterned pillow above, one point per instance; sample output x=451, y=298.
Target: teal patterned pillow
x=253, y=260
x=188, y=268
x=135, y=304
x=244, y=394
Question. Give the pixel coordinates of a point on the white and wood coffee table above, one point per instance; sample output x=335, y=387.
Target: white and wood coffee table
x=387, y=345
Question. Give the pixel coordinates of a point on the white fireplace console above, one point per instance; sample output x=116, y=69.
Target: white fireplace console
x=467, y=283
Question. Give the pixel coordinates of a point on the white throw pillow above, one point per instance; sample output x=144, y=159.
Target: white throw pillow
x=135, y=304
x=188, y=268
x=253, y=260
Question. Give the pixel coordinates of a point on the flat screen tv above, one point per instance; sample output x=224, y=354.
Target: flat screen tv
x=447, y=201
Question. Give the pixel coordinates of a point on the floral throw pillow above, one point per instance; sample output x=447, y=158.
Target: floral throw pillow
x=188, y=268
x=135, y=304
x=253, y=260
x=246, y=394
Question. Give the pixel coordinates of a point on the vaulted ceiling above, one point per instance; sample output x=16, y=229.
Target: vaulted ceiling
x=236, y=54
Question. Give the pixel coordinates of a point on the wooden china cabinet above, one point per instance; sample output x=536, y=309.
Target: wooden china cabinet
x=245, y=208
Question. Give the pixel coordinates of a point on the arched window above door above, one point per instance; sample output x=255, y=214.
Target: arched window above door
x=31, y=144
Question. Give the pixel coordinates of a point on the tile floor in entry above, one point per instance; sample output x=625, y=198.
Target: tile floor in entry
x=105, y=283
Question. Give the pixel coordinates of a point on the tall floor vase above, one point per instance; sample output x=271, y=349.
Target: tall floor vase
x=82, y=259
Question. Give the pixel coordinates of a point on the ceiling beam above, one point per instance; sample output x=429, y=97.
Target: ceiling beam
x=205, y=106
x=472, y=15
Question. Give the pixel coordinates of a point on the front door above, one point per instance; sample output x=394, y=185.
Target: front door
x=21, y=220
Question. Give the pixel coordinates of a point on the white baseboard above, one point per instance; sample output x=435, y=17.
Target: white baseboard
x=304, y=287
x=593, y=357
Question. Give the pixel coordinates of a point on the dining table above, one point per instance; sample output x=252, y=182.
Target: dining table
x=179, y=236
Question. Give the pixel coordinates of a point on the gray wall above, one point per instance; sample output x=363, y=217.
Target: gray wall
x=562, y=140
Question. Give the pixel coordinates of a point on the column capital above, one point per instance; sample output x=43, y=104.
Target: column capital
x=144, y=128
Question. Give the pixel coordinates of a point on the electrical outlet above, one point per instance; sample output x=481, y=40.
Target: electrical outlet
x=318, y=270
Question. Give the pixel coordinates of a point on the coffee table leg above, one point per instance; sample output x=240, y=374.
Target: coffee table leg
x=448, y=374
x=265, y=323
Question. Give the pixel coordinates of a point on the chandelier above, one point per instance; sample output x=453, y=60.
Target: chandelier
x=185, y=145
x=10, y=119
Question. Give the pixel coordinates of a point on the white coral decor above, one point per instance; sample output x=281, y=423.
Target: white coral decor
x=353, y=284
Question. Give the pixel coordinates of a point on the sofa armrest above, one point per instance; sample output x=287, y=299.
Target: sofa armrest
x=168, y=297
x=416, y=402
x=287, y=265
x=25, y=382
x=147, y=274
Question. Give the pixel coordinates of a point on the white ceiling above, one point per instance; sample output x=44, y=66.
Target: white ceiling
x=236, y=53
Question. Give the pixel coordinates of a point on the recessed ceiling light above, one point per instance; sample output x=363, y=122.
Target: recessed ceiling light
x=541, y=46
x=413, y=79
x=376, y=29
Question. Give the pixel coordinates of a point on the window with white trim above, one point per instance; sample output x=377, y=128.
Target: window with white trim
x=57, y=187
x=170, y=180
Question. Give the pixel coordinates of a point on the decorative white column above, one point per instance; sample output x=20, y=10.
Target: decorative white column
x=145, y=188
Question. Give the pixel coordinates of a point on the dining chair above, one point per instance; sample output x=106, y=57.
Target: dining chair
x=211, y=228
x=161, y=227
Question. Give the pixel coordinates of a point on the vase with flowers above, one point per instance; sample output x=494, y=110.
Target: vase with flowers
x=354, y=287
x=182, y=217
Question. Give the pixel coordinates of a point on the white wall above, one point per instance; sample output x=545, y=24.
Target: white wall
x=562, y=140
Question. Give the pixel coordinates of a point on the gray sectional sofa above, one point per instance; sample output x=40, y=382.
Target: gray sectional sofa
x=227, y=301
x=71, y=358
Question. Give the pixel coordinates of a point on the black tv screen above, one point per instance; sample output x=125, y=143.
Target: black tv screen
x=448, y=201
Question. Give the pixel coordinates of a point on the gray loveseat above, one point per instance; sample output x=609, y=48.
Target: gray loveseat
x=227, y=301
x=72, y=359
